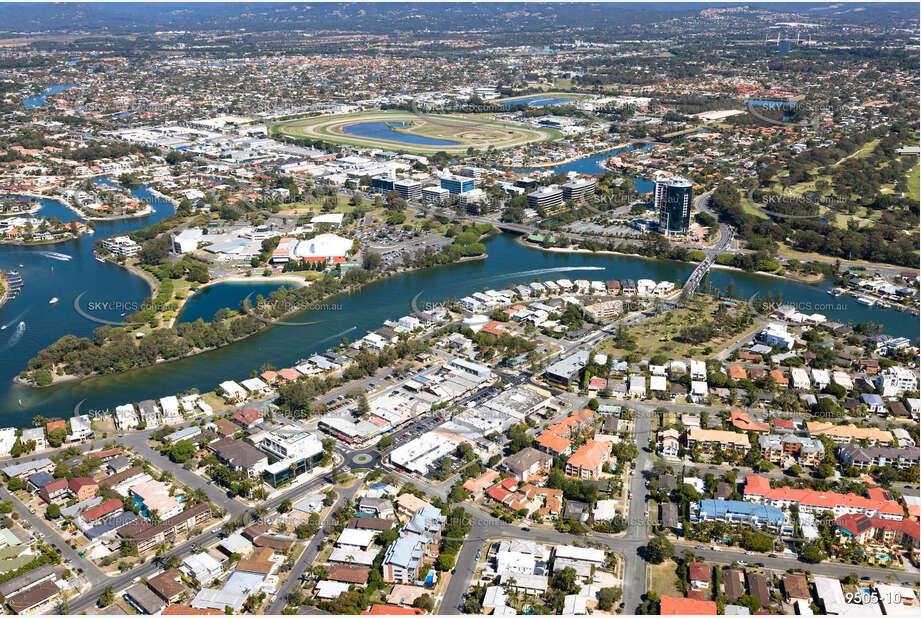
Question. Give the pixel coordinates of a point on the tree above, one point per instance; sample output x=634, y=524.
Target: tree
x=284, y=506
x=659, y=550
x=106, y=597
x=53, y=511
x=812, y=552
x=564, y=580
x=607, y=597
x=424, y=602
x=182, y=451
x=16, y=484
x=56, y=437
x=446, y=561
x=755, y=541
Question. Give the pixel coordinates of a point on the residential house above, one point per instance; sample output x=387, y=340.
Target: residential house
x=527, y=463
x=669, y=445
x=589, y=459
x=865, y=458
x=789, y=449
x=83, y=488
x=708, y=440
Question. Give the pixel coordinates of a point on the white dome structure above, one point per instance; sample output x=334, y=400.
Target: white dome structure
x=323, y=247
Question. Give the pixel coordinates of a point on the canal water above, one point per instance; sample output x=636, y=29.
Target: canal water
x=41, y=99
x=229, y=295
x=593, y=165
x=348, y=316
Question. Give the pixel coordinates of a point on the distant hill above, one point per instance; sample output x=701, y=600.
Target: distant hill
x=382, y=18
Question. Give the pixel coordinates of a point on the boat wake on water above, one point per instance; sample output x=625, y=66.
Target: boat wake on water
x=545, y=271
x=337, y=335
x=54, y=255
x=14, y=320
x=14, y=339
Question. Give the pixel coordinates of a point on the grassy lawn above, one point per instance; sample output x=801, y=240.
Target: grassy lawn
x=216, y=403
x=788, y=252
x=106, y=425
x=663, y=578
x=657, y=335
x=914, y=181
x=751, y=209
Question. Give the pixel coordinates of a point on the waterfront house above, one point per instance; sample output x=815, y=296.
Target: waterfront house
x=80, y=428
x=232, y=391
x=125, y=417
x=247, y=418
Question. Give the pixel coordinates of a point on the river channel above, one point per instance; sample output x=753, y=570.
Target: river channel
x=112, y=288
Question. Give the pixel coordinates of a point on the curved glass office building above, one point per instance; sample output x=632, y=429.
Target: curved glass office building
x=673, y=197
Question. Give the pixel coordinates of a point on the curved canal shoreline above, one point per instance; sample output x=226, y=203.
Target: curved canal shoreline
x=255, y=279
x=801, y=280
x=355, y=312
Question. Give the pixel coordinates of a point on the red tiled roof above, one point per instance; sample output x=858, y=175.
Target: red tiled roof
x=499, y=494
x=247, y=416
x=699, y=572
x=477, y=484
x=78, y=483
x=187, y=610
x=393, y=610
x=879, y=499
x=590, y=455
x=911, y=527
x=553, y=442
x=741, y=420
x=289, y=373
x=677, y=606
x=101, y=510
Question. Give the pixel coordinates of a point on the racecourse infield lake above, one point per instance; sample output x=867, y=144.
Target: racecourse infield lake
x=417, y=133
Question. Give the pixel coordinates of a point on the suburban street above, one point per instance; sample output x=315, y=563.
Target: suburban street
x=90, y=571
x=309, y=554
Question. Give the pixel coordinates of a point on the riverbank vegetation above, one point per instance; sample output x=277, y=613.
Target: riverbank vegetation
x=144, y=340
x=116, y=349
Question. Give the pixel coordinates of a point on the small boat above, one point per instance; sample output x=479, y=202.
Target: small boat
x=58, y=256
x=869, y=302
x=99, y=258
x=53, y=300
x=836, y=292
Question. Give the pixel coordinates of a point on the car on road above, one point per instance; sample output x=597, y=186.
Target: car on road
x=715, y=548
x=772, y=555
x=700, y=547
x=525, y=529
x=741, y=563
x=405, y=435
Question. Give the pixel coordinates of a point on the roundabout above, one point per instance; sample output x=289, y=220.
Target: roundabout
x=361, y=460
x=415, y=132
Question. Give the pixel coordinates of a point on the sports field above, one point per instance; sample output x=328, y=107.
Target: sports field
x=416, y=133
